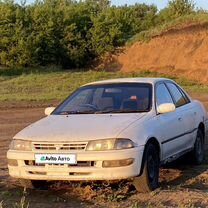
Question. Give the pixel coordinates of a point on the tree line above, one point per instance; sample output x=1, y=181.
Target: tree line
x=72, y=33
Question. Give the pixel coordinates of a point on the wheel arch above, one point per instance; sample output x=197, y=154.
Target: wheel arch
x=155, y=142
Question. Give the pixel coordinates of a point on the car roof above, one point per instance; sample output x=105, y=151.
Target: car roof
x=130, y=80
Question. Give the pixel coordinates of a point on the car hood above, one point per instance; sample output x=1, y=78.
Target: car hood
x=78, y=127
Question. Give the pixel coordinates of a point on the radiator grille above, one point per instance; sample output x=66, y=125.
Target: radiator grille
x=60, y=146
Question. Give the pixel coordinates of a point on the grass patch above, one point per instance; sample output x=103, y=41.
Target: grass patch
x=56, y=85
x=146, y=36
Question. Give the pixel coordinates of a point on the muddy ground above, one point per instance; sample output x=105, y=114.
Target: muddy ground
x=182, y=185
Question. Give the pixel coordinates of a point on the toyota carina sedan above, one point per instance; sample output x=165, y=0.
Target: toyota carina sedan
x=111, y=130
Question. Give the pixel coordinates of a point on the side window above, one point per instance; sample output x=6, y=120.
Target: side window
x=185, y=96
x=178, y=96
x=163, y=95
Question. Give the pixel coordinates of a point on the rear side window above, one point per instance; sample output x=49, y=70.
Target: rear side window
x=177, y=95
x=162, y=95
x=185, y=96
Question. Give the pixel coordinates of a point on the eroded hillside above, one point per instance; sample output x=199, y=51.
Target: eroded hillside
x=180, y=51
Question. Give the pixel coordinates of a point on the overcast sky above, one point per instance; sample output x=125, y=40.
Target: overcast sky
x=160, y=3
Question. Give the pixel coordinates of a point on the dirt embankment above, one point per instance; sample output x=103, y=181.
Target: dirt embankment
x=181, y=51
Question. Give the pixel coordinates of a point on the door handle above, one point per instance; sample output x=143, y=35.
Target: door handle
x=180, y=119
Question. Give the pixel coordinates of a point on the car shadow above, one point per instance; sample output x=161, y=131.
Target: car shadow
x=183, y=174
x=12, y=195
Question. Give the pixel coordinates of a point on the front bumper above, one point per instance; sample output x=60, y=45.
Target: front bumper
x=89, y=166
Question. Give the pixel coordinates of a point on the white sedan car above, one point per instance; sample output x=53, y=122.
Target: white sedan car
x=111, y=130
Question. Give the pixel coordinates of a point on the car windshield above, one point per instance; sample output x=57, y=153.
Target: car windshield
x=108, y=98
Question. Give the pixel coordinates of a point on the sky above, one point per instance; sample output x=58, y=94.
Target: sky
x=160, y=3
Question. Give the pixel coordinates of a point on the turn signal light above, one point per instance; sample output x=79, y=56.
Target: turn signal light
x=117, y=163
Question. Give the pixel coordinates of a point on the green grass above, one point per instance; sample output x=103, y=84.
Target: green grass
x=145, y=36
x=56, y=85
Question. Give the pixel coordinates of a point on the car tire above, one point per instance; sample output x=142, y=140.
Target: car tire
x=148, y=180
x=197, y=153
x=33, y=184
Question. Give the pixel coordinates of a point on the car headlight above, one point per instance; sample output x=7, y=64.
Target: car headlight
x=20, y=145
x=110, y=144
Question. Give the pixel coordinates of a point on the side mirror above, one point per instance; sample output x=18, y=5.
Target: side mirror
x=166, y=108
x=49, y=110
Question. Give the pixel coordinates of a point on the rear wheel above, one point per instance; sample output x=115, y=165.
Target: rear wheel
x=197, y=154
x=33, y=184
x=148, y=181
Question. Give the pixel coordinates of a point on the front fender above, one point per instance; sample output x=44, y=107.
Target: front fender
x=141, y=132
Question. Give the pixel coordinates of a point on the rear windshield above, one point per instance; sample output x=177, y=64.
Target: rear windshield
x=108, y=98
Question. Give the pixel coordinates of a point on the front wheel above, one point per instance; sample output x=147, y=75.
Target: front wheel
x=197, y=153
x=148, y=181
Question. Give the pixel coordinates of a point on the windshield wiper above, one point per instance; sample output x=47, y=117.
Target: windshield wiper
x=75, y=112
x=121, y=111
x=100, y=112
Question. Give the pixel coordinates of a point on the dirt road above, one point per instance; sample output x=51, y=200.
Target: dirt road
x=181, y=184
